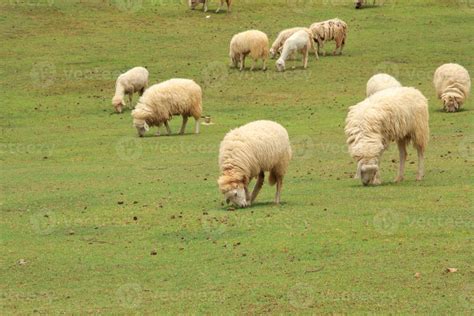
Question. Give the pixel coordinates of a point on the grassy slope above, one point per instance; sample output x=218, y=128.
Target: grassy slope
x=66, y=163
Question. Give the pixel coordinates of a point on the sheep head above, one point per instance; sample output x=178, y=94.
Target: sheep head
x=280, y=64
x=367, y=171
x=118, y=104
x=234, y=188
x=451, y=102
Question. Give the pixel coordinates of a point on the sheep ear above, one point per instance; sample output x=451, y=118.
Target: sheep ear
x=358, y=175
x=370, y=167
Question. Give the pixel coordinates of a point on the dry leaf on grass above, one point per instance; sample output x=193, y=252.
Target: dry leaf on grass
x=451, y=270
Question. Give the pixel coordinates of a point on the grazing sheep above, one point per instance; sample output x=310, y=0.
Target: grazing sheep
x=134, y=80
x=359, y=3
x=334, y=29
x=453, y=85
x=380, y=82
x=246, y=153
x=161, y=101
x=194, y=3
x=281, y=38
x=301, y=41
x=253, y=43
x=394, y=114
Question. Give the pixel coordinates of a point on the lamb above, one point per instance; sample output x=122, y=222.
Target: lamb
x=253, y=43
x=194, y=3
x=281, y=38
x=301, y=41
x=453, y=85
x=246, y=153
x=134, y=80
x=394, y=114
x=334, y=29
x=380, y=82
x=161, y=101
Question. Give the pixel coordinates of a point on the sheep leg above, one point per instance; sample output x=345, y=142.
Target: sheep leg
x=258, y=186
x=130, y=98
x=229, y=4
x=279, y=184
x=264, y=64
x=254, y=62
x=421, y=167
x=197, y=126
x=220, y=6
x=205, y=6
x=305, y=58
x=168, y=130
x=402, y=149
x=183, y=125
x=242, y=62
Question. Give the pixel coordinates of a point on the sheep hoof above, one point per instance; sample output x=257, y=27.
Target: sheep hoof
x=398, y=179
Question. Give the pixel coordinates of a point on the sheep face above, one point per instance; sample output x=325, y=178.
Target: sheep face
x=272, y=53
x=280, y=65
x=141, y=126
x=451, y=103
x=118, y=104
x=237, y=197
x=368, y=171
x=358, y=4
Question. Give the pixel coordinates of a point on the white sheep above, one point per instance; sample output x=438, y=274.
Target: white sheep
x=301, y=41
x=253, y=43
x=134, y=80
x=194, y=3
x=453, y=85
x=246, y=153
x=161, y=101
x=330, y=30
x=380, y=82
x=281, y=38
x=394, y=114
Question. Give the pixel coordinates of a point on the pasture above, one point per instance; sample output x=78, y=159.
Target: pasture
x=95, y=219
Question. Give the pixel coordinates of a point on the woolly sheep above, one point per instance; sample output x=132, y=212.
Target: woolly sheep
x=453, y=86
x=380, y=82
x=134, y=80
x=246, y=153
x=334, y=29
x=394, y=114
x=161, y=101
x=359, y=3
x=281, y=38
x=301, y=41
x=194, y=3
x=253, y=43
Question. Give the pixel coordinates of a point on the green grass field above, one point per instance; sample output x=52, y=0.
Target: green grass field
x=97, y=220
